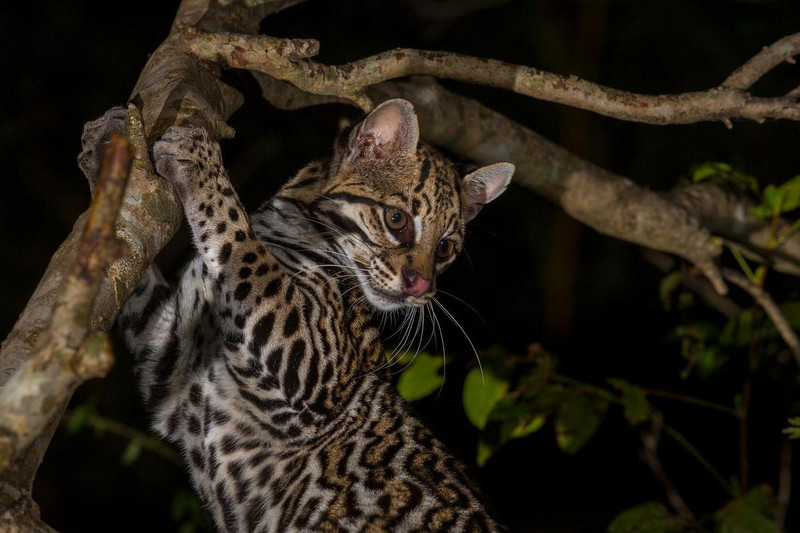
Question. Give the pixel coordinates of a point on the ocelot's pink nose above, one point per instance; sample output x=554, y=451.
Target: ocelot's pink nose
x=413, y=283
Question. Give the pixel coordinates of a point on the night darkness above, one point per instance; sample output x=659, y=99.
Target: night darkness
x=533, y=274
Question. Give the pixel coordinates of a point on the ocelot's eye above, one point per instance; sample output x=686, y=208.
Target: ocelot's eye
x=444, y=249
x=395, y=219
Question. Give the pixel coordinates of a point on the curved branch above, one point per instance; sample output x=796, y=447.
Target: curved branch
x=65, y=354
x=350, y=81
x=770, y=57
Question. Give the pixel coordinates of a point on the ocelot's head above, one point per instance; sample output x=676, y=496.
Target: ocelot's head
x=400, y=207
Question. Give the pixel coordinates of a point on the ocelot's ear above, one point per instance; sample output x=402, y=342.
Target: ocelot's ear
x=484, y=185
x=390, y=130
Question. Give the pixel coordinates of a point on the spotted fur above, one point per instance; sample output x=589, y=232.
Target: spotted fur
x=264, y=364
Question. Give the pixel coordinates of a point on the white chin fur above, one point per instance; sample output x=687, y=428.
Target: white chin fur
x=379, y=302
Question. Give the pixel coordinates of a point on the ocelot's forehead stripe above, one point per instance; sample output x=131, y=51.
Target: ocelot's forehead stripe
x=424, y=172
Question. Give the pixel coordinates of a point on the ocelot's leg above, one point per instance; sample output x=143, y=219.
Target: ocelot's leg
x=167, y=331
x=193, y=164
x=265, y=339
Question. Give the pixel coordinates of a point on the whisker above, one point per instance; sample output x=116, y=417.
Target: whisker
x=451, y=295
x=444, y=352
x=452, y=319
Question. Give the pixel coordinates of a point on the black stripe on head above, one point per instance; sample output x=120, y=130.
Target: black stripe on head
x=346, y=224
x=424, y=173
x=353, y=198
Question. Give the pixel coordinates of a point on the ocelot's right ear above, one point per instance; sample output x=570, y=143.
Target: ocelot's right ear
x=389, y=131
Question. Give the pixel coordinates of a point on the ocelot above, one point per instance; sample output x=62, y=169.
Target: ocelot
x=264, y=363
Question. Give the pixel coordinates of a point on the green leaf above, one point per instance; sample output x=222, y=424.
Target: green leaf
x=485, y=450
x=495, y=436
x=723, y=174
x=78, y=419
x=740, y=330
x=634, y=399
x=710, y=360
x=523, y=428
x=509, y=419
x=421, y=378
x=650, y=517
x=577, y=420
x=780, y=199
x=751, y=513
x=481, y=394
x=708, y=170
x=744, y=519
x=132, y=452
x=794, y=428
x=669, y=284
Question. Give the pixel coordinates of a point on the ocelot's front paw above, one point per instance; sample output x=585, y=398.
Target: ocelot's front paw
x=185, y=156
x=94, y=141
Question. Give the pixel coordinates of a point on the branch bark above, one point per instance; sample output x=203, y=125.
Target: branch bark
x=67, y=353
x=351, y=81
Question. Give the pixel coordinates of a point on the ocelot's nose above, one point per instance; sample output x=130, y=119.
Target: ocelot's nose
x=413, y=282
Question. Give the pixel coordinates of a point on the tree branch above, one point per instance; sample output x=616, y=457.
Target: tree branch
x=728, y=215
x=66, y=353
x=649, y=456
x=350, y=81
x=766, y=302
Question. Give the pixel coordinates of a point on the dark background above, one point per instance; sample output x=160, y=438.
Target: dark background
x=532, y=273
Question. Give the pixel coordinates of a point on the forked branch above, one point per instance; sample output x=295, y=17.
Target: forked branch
x=287, y=60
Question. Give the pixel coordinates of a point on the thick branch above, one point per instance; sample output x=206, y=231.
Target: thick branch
x=66, y=353
x=728, y=215
x=64, y=356
x=350, y=81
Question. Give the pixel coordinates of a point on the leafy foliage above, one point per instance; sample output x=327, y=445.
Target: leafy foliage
x=794, y=428
x=753, y=512
x=421, y=376
x=723, y=174
x=577, y=420
x=780, y=199
x=650, y=517
x=482, y=391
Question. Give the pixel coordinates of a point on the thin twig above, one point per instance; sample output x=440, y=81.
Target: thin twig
x=766, y=302
x=700, y=402
x=649, y=456
x=699, y=457
x=148, y=441
x=771, y=56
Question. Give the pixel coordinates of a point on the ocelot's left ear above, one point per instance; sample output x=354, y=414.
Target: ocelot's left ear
x=484, y=185
x=390, y=131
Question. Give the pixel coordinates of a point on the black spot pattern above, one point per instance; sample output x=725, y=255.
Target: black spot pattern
x=261, y=364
